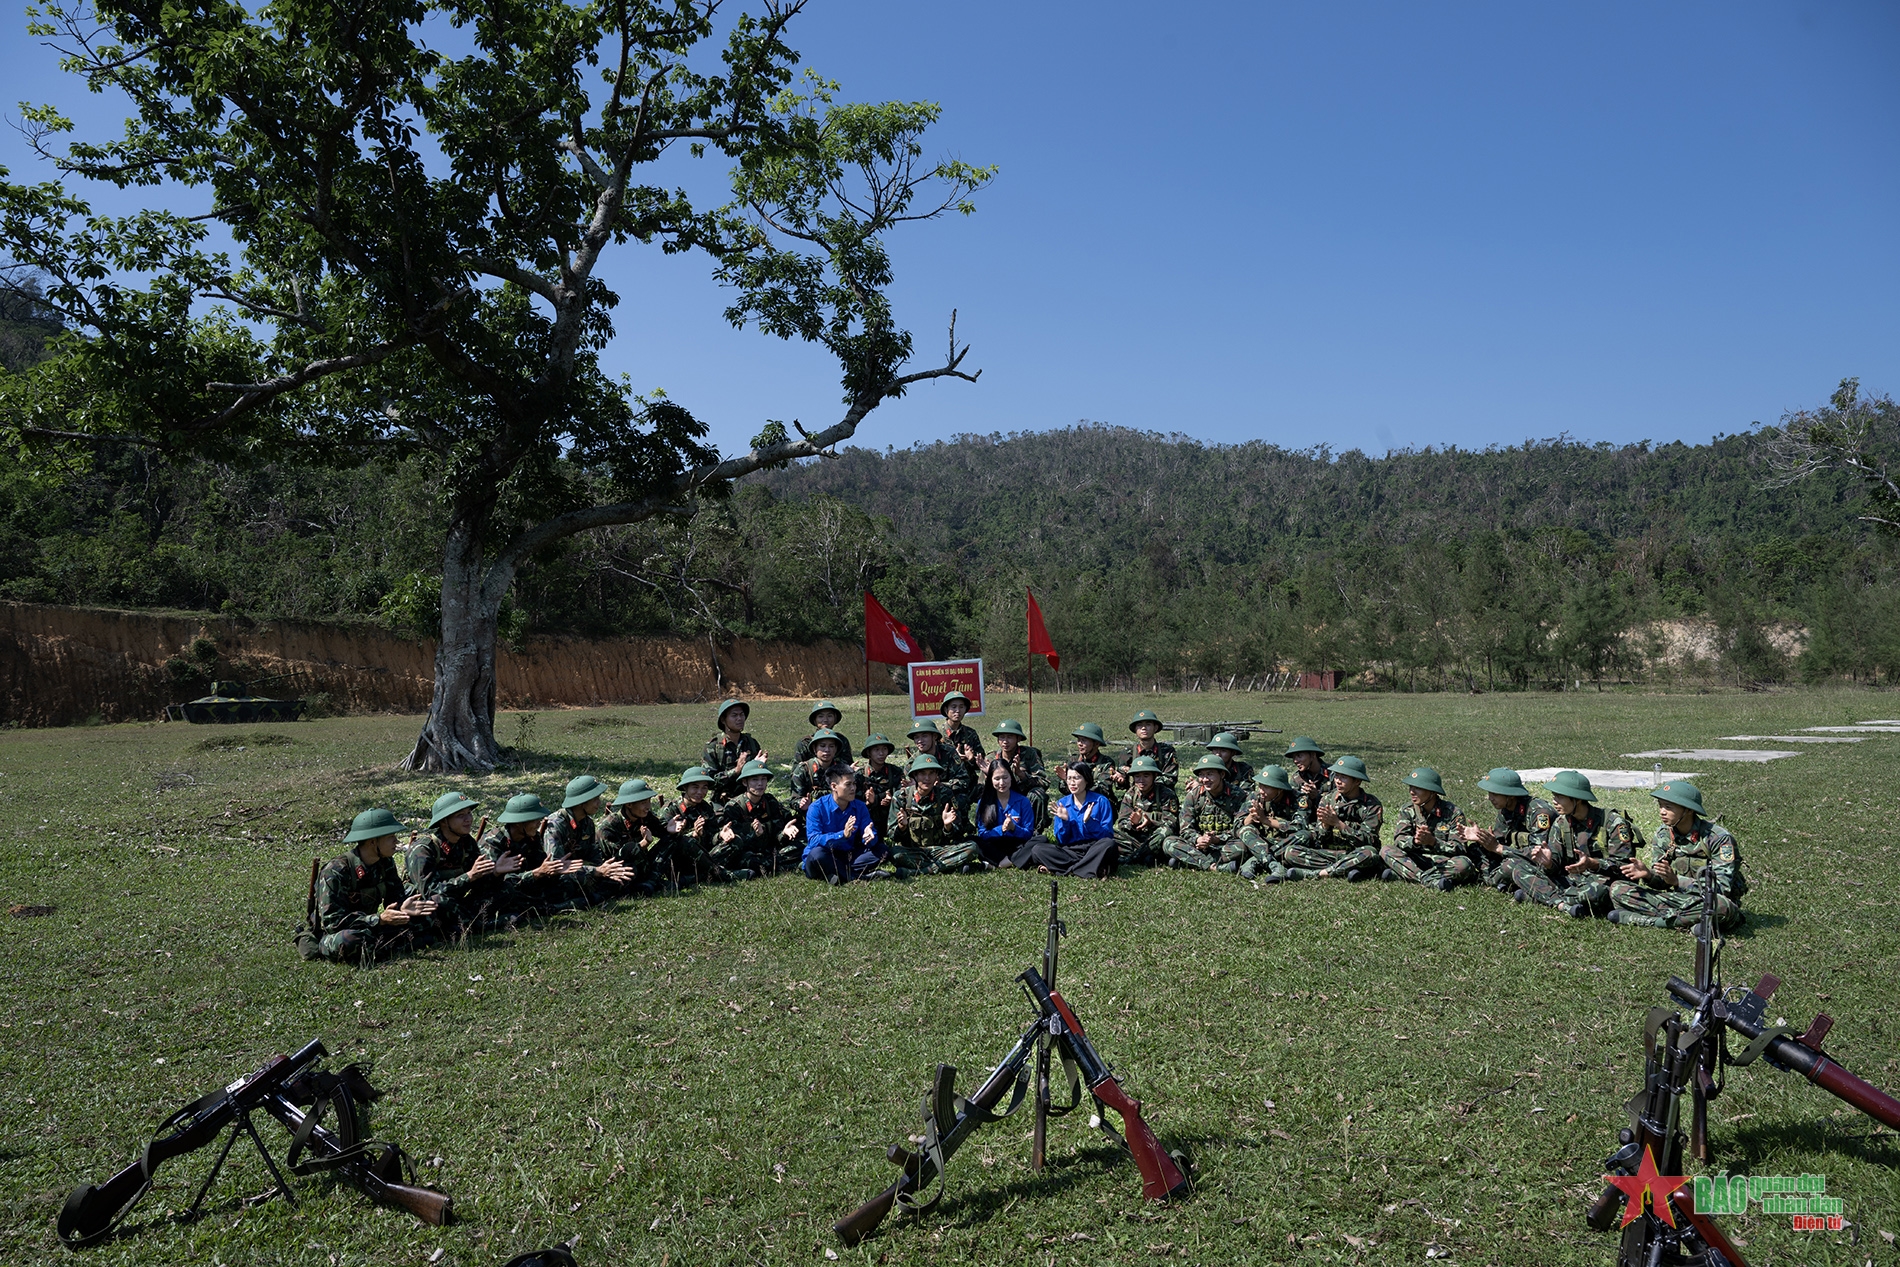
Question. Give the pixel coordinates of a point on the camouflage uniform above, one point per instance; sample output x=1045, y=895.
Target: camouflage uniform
x=1203, y=814
x=959, y=738
x=959, y=780
x=545, y=894
x=1443, y=863
x=1145, y=846
x=1689, y=852
x=885, y=783
x=1354, y=847
x=723, y=759
x=693, y=843
x=1604, y=834
x=1260, y=846
x=756, y=845
x=804, y=752
x=350, y=893
x=1164, y=756
x=651, y=857
x=1517, y=830
x=566, y=835
x=1308, y=795
x=921, y=842
x=812, y=780
x=439, y=870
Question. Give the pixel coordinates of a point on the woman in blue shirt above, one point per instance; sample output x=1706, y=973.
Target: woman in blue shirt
x=1003, y=816
x=1084, y=826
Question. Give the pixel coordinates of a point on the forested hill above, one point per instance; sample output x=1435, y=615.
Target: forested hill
x=1092, y=495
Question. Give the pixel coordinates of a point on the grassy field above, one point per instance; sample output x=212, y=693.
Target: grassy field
x=1363, y=1073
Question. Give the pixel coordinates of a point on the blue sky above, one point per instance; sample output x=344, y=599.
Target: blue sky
x=1365, y=225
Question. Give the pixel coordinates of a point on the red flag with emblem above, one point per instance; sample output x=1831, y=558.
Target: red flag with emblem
x=1039, y=643
x=885, y=640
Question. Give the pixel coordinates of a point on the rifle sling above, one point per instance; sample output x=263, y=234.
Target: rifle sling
x=1759, y=1044
x=931, y=1153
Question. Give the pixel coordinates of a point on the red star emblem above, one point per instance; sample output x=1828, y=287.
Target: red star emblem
x=1648, y=1184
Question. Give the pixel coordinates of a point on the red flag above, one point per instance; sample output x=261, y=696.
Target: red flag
x=1039, y=643
x=885, y=640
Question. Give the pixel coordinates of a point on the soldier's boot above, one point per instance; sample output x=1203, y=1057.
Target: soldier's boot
x=1232, y=854
x=1302, y=873
x=1634, y=920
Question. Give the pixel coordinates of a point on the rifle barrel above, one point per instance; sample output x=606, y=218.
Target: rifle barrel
x=1804, y=1060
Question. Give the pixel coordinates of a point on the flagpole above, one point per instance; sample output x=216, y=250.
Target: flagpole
x=867, y=687
x=1029, y=674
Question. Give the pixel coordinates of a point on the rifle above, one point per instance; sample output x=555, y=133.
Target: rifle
x=1039, y=1133
x=92, y=1211
x=949, y=1119
x=1690, y=1055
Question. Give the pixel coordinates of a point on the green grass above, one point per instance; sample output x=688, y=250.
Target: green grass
x=715, y=1077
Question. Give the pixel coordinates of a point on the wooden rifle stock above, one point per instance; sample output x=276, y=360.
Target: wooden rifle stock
x=428, y=1204
x=864, y=1220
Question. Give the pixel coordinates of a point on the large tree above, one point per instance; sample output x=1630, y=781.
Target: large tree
x=402, y=211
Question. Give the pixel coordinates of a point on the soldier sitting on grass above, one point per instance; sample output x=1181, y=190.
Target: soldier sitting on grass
x=728, y=751
x=1270, y=824
x=1149, y=813
x=1145, y=726
x=1428, y=838
x=1239, y=773
x=1667, y=893
x=540, y=883
x=1520, y=825
x=928, y=835
x=636, y=836
x=570, y=834
x=1344, y=841
x=361, y=913
x=879, y=781
x=1310, y=779
x=692, y=825
x=1210, y=820
x=756, y=833
x=959, y=780
x=811, y=777
x=957, y=737
x=449, y=867
x=825, y=715
x=1583, y=850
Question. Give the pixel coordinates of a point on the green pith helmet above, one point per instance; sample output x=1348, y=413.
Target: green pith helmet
x=1351, y=767
x=694, y=774
x=1425, y=779
x=1210, y=762
x=822, y=705
x=526, y=808
x=1572, y=784
x=1273, y=776
x=719, y=718
x=1224, y=740
x=1504, y=781
x=922, y=727
x=877, y=741
x=826, y=732
x=581, y=789
x=754, y=770
x=1304, y=743
x=923, y=761
x=370, y=824
x=633, y=790
x=943, y=709
x=448, y=805
x=1146, y=714
x=1089, y=730
x=1010, y=726
x=1684, y=793
x=1144, y=765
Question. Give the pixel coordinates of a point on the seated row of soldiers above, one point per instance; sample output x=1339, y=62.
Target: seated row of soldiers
x=1312, y=819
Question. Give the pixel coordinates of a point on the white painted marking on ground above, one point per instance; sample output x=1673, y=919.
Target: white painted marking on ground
x=1757, y=755
x=1614, y=780
x=1795, y=738
x=1887, y=721
x=1861, y=730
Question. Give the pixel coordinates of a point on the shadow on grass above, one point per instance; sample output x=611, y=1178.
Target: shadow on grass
x=1819, y=1135
x=981, y=1205
x=1755, y=924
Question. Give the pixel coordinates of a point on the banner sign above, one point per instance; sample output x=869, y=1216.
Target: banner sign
x=931, y=680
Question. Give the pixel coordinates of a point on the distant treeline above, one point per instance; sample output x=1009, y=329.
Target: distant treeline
x=1155, y=557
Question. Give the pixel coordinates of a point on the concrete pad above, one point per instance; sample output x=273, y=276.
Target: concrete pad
x=1856, y=730
x=1615, y=780
x=1796, y=738
x=1757, y=755
x=1886, y=722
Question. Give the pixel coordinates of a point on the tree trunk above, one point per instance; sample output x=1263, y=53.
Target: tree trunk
x=460, y=732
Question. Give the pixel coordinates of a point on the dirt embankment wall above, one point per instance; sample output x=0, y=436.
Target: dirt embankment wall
x=60, y=665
